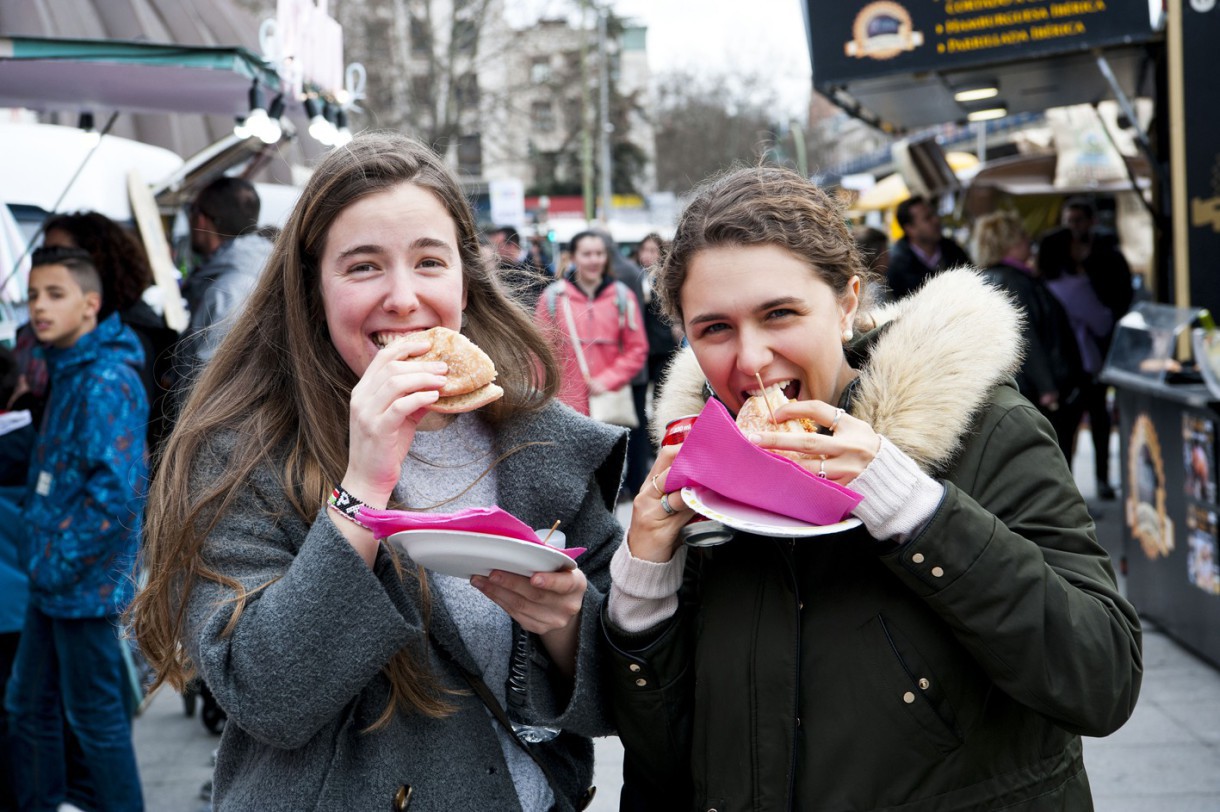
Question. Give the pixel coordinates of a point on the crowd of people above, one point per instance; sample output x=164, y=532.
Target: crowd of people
x=1072, y=285
x=199, y=499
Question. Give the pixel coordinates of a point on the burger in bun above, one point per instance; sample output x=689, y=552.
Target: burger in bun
x=468, y=383
x=755, y=416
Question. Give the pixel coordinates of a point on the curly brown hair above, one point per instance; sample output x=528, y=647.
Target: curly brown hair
x=761, y=206
x=117, y=254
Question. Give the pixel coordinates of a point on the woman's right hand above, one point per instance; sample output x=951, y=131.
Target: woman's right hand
x=387, y=406
x=653, y=534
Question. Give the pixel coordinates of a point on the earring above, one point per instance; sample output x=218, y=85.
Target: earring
x=847, y=334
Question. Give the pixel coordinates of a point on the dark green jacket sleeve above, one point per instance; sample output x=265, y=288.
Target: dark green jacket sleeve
x=1011, y=563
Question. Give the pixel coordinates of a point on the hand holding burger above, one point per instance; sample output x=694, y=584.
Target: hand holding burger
x=469, y=381
x=821, y=438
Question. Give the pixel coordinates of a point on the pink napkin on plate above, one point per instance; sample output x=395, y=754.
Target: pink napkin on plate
x=718, y=456
x=493, y=520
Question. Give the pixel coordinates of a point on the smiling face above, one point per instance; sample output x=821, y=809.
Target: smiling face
x=390, y=265
x=60, y=311
x=649, y=253
x=760, y=309
x=590, y=259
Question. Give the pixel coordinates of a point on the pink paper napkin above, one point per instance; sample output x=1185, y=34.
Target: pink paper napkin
x=717, y=455
x=493, y=520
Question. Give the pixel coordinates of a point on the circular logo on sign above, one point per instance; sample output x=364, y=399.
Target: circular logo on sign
x=1203, y=6
x=882, y=30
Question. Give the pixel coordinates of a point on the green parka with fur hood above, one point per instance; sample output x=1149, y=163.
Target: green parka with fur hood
x=954, y=672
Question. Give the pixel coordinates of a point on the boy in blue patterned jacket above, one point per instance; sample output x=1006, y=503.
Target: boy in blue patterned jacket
x=87, y=486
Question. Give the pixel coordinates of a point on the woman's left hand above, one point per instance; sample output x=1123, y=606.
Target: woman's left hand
x=840, y=455
x=546, y=604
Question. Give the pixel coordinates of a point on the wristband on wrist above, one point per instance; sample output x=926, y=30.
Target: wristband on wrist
x=346, y=506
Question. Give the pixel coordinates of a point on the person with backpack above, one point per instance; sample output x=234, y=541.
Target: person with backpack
x=594, y=323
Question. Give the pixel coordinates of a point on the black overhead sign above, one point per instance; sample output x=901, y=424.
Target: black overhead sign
x=852, y=39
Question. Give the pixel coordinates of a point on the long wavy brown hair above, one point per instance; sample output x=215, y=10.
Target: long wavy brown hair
x=277, y=382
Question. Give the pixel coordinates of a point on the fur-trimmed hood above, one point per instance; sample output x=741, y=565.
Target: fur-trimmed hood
x=926, y=370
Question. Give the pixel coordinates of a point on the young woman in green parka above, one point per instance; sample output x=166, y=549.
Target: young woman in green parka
x=947, y=654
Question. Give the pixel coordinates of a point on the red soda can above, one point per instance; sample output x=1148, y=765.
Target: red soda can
x=676, y=430
x=700, y=531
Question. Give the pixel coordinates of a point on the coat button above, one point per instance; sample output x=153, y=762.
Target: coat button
x=908, y=697
x=917, y=558
x=641, y=682
x=634, y=668
x=402, y=798
x=937, y=572
x=924, y=684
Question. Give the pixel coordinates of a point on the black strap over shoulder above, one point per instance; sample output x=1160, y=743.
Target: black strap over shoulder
x=497, y=710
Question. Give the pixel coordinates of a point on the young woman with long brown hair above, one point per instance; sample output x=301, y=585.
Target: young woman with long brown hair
x=340, y=665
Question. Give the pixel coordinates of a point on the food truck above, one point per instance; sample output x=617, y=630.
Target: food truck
x=912, y=64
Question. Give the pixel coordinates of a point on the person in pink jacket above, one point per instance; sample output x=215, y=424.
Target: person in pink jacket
x=606, y=318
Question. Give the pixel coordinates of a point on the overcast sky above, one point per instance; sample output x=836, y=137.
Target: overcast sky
x=766, y=37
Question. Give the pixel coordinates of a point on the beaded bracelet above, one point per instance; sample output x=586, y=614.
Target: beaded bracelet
x=346, y=505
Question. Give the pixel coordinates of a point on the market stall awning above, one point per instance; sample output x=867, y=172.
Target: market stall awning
x=75, y=75
x=921, y=63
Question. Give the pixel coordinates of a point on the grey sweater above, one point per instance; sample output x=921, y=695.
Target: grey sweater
x=300, y=674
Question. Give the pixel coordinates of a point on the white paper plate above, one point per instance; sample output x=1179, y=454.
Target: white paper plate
x=463, y=554
x=707, y=502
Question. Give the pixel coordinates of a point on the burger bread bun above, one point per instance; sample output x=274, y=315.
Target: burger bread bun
x=468, y=402
x=754, y=416
x=468, y=383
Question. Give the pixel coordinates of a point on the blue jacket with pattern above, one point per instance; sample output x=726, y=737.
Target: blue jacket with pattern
x=88, y=477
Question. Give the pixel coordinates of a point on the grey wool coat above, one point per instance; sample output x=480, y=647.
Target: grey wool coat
x=300, y=675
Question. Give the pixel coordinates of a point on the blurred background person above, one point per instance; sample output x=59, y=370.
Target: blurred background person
x=83, y=509
x=507, y=242
x=639, y=447
x=224, y=233
x=126, y=275
x=1080, y=250
x=539, y=258
x=1092, y=324
x=1094, y=252
x=1050, y=375
x=523, y=281
x=605, y=315
x=874, y=250
x=923, y=251
x=663, y=338
x=14, y=587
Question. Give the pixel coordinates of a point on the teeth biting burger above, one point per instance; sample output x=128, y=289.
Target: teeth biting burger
x=469, y=381
x=755, y=416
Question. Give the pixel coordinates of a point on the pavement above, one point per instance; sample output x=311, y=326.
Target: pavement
x=1165, y=759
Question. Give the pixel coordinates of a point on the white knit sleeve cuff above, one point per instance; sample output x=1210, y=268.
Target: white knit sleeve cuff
x=643, y=594
x=899, y=498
